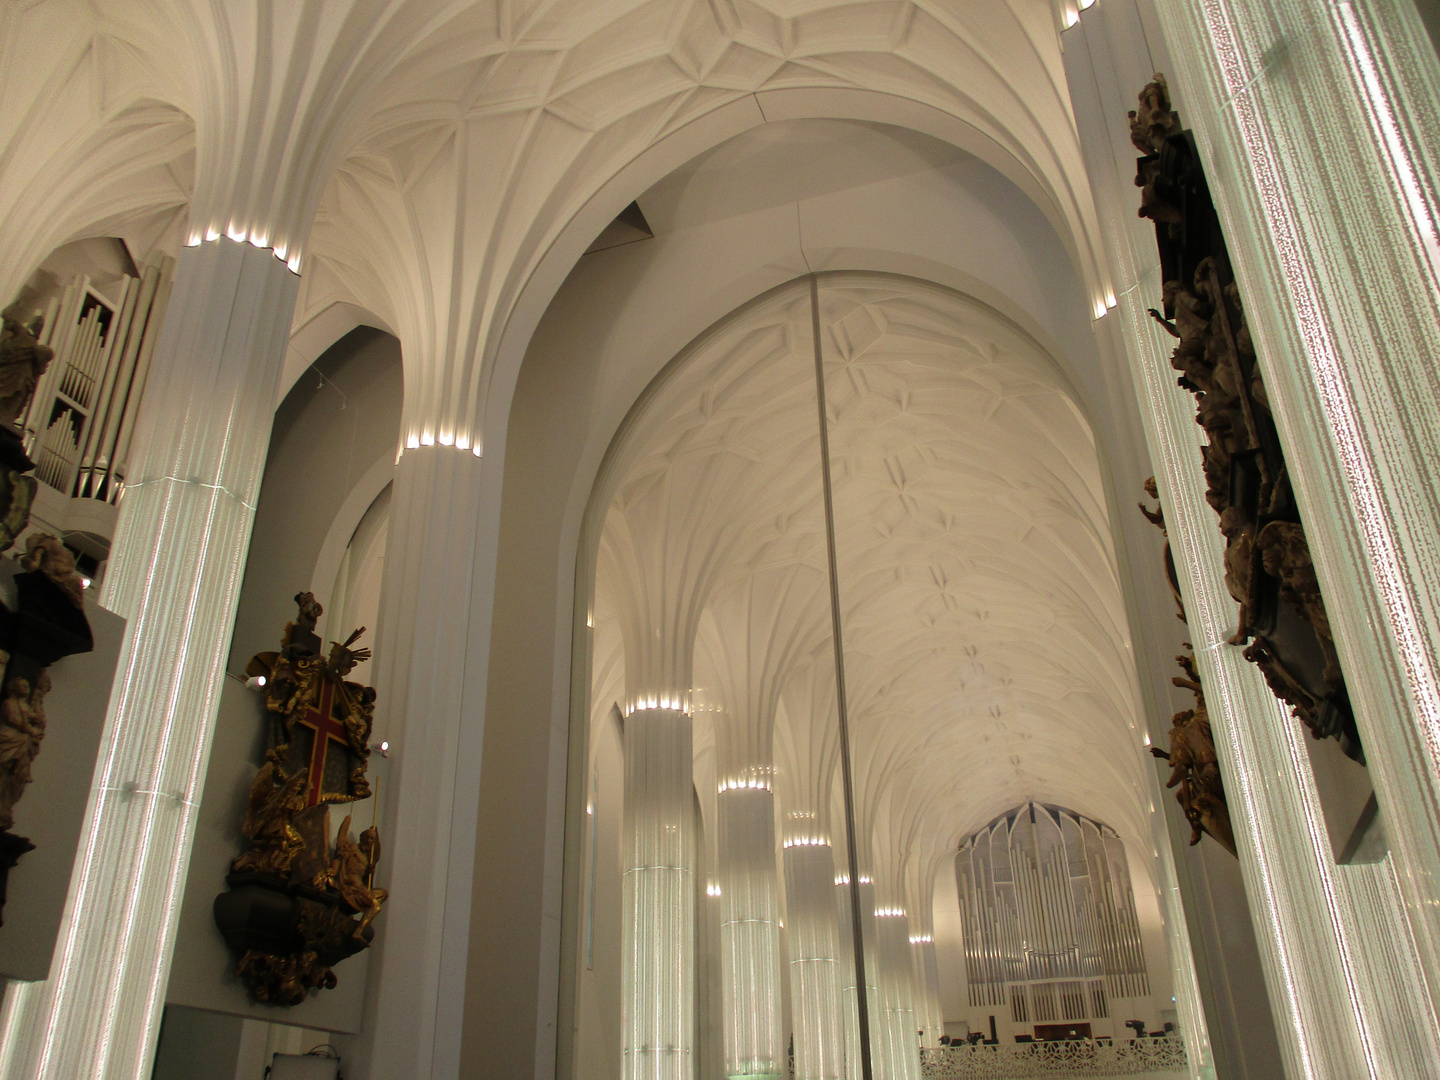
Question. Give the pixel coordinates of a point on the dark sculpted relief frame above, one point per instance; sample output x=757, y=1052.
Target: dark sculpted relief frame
x=1268, y=569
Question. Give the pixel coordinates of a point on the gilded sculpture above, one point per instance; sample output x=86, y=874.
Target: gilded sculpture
x=352, y=874
x=298, y=902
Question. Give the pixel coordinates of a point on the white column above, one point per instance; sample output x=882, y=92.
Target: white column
x=815, y=968
x=749, y=933
x=180, y=548
x=431, y=654
x=927, y=987
x=896, y=1053
x=1319, y=125
x=658, y=968
x=1329, y=1018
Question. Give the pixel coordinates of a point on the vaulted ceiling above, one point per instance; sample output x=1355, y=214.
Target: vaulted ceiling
x=987, y=657
x=443, y=148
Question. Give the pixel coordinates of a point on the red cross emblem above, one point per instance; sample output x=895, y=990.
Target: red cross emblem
x=320, y=719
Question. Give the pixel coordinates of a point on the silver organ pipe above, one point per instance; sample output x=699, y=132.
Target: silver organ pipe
x=1048, y=916
x=80, y=422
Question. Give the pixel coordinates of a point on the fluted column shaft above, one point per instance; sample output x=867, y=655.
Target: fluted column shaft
x=897, y=1056
x=749, y=933
x=1315, y=267
x=430, y=657
x=1342, y=296
x=928, y=1011
x=658, y=967
x=813, y=935
x=179, y=551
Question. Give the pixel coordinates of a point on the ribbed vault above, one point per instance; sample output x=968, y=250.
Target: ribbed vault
x=986, y=649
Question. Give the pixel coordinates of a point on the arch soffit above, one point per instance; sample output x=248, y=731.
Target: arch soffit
x=611, y=430
x=311, y=338
x=367, y=489
x=622, y=438
x=723, y=123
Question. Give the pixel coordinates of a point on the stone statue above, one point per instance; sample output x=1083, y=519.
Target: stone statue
x=22, y=361
x=310, y=611
x=48, y=555
x=1194, y=767
x=299, y=636
x=1267, y=560
x=22, y=727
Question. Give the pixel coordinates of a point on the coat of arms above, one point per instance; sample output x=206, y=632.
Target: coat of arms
x=298, y=904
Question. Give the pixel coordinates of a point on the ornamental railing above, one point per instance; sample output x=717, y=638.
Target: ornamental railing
x=1034, y=1061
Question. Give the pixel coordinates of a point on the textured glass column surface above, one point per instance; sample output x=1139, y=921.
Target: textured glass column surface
x=849, y=1004
x=419, y=963
x=1319, y=125
x=658, y=969
x=813, y=934
x=749, y=933
x=927, y=984
x=179, y=552
x=1276, y=94
x=898, y=1047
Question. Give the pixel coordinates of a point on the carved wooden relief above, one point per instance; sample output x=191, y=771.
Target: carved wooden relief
x=298, y=905
x=1282, y=620
x=1194, y=767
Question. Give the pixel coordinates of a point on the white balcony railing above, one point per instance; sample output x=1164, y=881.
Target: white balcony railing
x=1034, y=1061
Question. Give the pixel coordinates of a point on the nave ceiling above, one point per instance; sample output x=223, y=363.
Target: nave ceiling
x=446, y=151
x=986, y=645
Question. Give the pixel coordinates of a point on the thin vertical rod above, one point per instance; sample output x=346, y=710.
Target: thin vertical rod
x=862, y=1005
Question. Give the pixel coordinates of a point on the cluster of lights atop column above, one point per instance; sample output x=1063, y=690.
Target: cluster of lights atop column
x=756, y=777
x=255, y=237
x=426, y=437
x=675, y=703
x=1072, y=16
x=889, y=912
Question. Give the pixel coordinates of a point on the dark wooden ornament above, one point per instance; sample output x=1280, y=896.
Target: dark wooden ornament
x=1268, y=569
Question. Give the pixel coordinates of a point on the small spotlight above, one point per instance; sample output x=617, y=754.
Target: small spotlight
x=256, y=682
x=85, y=582
x=384, y=748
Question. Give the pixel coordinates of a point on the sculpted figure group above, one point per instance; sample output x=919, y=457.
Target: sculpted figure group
x=326, y=895
x=1268, y=569
x=22, y=727
x=1194, y=766
x=22, y=361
